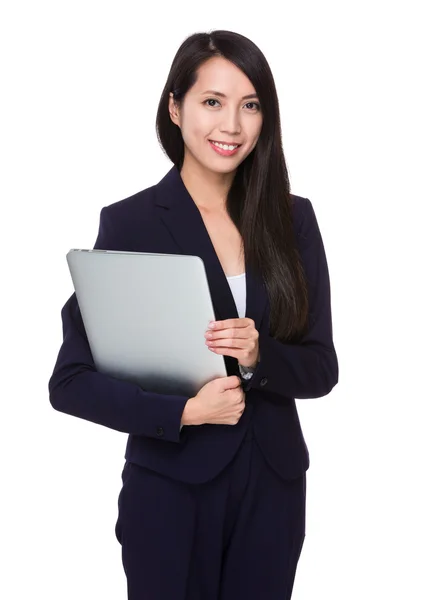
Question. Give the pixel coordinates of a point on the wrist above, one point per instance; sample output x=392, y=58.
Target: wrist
x=251, y=367
x=248, y=369
x=189, y=413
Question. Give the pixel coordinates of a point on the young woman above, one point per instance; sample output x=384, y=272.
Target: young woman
x=214, y=486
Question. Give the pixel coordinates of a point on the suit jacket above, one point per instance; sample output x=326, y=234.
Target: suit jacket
x=164, y=218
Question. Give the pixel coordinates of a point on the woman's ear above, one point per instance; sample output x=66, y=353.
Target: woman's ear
x=173, y=110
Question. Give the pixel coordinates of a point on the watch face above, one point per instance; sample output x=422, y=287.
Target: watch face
x=247, y=375
x=246, y=372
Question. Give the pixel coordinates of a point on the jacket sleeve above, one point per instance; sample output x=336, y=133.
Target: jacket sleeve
x=308, y=369
x=78, y=389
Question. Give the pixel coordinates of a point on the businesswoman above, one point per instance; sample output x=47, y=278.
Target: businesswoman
x=212, y=505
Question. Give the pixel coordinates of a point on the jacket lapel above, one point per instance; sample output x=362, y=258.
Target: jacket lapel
x=180, y=215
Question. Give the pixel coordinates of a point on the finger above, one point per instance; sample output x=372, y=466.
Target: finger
x=228, y=352
x=231, y=323
x=246, y=345
x=235, y=344
x=240, y=334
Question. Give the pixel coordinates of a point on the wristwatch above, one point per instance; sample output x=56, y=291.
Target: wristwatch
x=246, y=372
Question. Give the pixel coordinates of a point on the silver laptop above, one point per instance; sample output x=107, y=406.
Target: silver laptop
x=145, y=316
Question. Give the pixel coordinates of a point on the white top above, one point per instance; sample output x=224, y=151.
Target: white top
x=237, y=284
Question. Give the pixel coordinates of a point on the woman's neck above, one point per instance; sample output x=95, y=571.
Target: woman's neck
x=208, y=189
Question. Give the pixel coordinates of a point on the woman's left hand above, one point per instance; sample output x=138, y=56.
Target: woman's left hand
x=235, y=337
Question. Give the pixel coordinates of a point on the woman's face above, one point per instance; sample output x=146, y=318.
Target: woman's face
x=232, y=116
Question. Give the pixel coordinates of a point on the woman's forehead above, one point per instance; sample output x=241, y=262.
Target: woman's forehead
x=220, y=75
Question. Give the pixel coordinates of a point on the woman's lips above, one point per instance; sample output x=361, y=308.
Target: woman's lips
x=223, y=152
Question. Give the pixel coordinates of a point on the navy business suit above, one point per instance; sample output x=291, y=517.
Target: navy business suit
x=165, y=219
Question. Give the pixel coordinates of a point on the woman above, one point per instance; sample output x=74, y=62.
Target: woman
x=214, y=487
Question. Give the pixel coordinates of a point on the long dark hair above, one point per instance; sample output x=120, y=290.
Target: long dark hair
x=259, y=201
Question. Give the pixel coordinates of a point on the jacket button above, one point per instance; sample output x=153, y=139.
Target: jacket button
x=264, y=381
x=159, y=431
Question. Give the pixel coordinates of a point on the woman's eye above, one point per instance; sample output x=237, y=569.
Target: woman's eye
x=210, y=100
x=255, y=104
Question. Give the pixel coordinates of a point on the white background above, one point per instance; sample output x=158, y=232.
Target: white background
x=80, y=86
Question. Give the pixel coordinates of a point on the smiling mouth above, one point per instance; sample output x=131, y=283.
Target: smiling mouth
x=225, y=143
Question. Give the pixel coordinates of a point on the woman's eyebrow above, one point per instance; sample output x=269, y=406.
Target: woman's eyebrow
x=215, y=93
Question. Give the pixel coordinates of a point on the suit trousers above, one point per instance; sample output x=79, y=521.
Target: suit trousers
x=238, y=536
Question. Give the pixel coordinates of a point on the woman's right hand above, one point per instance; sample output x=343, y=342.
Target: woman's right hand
x=219, y=402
